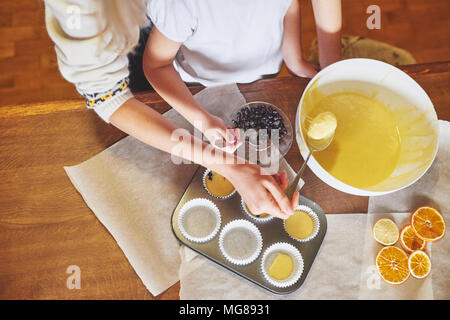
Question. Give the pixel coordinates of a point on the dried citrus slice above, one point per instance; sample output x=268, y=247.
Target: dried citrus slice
x=428, y=224
x=419, y=264
x=410, y=241
x=392, y=265
x=385, y=231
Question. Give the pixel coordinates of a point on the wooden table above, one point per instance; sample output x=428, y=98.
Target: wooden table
x=45, y=226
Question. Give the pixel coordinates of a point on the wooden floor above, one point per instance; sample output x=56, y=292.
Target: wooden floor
x=29, y=73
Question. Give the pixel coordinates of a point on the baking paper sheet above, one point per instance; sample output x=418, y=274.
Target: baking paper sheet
x=433, y=189
x=133, y=188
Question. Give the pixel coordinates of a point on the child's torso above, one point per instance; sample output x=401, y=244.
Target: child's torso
x=234, y=41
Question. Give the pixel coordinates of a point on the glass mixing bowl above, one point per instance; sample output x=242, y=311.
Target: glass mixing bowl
x=259, y=148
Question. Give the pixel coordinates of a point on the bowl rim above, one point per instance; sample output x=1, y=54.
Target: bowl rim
x=317, y=169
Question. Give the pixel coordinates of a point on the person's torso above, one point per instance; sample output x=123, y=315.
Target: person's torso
x=234, y=41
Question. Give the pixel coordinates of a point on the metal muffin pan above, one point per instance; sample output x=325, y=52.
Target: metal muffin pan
x=271, y=231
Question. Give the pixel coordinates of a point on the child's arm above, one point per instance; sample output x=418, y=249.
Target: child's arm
x=158, y=68
x=292, y=47
x=261, y=193
x=327, y=14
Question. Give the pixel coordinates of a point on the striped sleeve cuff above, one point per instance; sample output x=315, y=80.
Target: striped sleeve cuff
x=107, y=102
x=107, y=108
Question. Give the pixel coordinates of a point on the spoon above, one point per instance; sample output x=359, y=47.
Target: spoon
x=320, y=142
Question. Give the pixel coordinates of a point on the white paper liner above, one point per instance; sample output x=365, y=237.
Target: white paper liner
x=254, y=218
x=315, y=219
x=205, y=175
x=199, y=202
x=252, y=230
x=269, y=256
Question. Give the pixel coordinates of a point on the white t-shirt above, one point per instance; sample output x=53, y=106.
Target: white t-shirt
x=223, y=41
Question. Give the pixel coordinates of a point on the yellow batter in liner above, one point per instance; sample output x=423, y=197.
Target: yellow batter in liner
x=281, y=268
x=299, y=225
x=218, y=185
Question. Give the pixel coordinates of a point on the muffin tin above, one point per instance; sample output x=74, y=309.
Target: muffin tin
x=272, y=232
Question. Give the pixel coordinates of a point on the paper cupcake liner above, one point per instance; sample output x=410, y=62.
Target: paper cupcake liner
x=297, y=260
x=199, y=202
x=205, y=174
x=254, y=218
x=251, y=229
x=315, y=219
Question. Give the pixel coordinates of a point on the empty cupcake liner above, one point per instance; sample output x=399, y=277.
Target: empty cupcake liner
x=315, y=219
x=205, y=175
x=254, y=218
x=186, y=226
x=269, y=256
x=238, y=254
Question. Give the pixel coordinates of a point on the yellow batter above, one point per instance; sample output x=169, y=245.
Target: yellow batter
x=281, y=267
x=218, y=185
x=299, y=225
x=322, y=126
x=262, y=215
x=366, y=145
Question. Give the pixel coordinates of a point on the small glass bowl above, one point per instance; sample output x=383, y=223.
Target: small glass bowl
x=263, y=151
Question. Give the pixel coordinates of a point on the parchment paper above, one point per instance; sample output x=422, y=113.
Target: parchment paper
x=133, y=188
x=433, y=189
x=372, y=286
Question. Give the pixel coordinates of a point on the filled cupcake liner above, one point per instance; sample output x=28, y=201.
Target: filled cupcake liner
x=252, y=229
x=205, y=175
x=199, y=202
x=254, y=218
x=315, y=219
x=297, y=260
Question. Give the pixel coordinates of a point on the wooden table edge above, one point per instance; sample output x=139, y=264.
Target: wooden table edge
x=151, y=97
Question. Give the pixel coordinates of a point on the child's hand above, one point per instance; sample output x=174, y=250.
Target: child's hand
x=291, y=45
x=263, y=193
x=220, y=135
x=305, y=69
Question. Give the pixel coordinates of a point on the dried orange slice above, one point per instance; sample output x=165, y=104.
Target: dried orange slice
x=410, y=241
x=392, y=265
x=428, y=224
x=419, y=264
x=385, y=231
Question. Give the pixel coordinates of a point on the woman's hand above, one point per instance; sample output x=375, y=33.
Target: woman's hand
x=262, y=193
x=220, y=135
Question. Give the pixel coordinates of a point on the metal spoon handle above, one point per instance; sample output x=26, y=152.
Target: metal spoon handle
x=291, y=189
